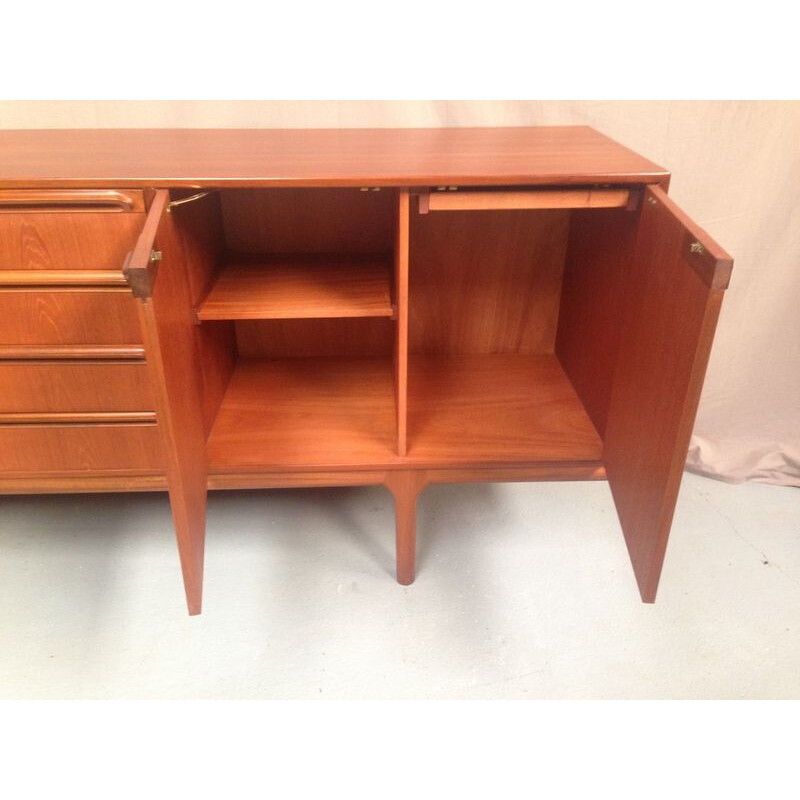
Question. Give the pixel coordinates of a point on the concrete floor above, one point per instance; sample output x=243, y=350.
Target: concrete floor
x=523, y=591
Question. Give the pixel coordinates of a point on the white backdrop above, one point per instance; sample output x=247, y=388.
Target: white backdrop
x=736, y=171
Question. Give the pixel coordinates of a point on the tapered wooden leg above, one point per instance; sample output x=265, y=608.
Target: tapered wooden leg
x=406, y=538
x=189, y=517
x=406, y=486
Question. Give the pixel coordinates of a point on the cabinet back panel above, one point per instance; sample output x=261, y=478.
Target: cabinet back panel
x=485, y=281
x=315, y=338
x=202, y=239
x=308, y=220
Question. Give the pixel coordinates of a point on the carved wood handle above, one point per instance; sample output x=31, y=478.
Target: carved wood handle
x=67, y=352
x=61, y=277
x=39, y=200
x=78, y=418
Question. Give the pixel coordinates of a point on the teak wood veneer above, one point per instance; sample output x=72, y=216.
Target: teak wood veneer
x=208, y=309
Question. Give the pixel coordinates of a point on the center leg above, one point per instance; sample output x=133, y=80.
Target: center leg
x=406, y=486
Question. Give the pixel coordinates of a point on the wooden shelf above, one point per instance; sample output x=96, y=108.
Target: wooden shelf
x=297, y=287
x=305, y=413
x=490, y=409
x=319, y=413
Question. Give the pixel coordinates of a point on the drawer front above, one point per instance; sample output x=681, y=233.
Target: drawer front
x=70, y=230
x=79, y=449
x=85, y=317
x=74, y=387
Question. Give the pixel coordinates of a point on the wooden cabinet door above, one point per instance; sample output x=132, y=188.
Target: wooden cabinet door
x=671, y=303
x=158, y=271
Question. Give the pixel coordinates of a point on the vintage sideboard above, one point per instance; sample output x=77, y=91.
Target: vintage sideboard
x=207, y=309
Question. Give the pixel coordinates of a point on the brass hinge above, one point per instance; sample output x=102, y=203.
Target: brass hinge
x=190, y=199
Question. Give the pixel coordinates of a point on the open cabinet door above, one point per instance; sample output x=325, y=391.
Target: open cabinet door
x=671, y=305
x=157, y=271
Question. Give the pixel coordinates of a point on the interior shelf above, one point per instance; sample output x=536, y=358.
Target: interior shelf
x=499, y=408
x=318, y=413
x=294, y=287
x=305, y=413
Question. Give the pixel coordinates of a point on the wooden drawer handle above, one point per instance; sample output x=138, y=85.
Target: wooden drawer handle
x=22, y=200
x=61, y=277
x=71, y=352
x=79, y=418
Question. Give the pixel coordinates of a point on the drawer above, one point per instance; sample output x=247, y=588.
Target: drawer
x=80, y=317
x=71, y=230
x=74, y=387
x=79, y=449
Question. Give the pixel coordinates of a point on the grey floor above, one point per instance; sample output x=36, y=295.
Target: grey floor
x=523, y=591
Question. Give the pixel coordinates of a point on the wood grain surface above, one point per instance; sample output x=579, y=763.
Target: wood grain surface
x=74, y=316
x=131, y=481
x=495, y=409
x=297, y=338
x=486, y=282
x=77, y=417
x=168, y=326
x=464, y=410
x=305, y=413
x=71, y=352
x=61, y=277
x=291, y=288
x=66, y=483
x=332, y=157
x=74, y=386
x=199, y=226
x=509, y=200
x=401, y=267
x=308, y=222
x=74, y=241
x=79, y=449
x=666, y=331
x=405, y=486
x=596, y=273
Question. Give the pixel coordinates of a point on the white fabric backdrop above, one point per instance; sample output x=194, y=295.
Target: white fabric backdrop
x=736, y=171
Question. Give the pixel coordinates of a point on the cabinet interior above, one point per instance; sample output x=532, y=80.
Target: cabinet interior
x=510, y=343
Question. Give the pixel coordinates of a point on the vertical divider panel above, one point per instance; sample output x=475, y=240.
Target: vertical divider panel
x=401, y=248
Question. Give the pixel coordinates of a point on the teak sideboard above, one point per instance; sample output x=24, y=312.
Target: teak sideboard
x=211, y=309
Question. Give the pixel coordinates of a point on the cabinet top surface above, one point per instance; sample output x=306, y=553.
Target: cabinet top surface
x=317, y=157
